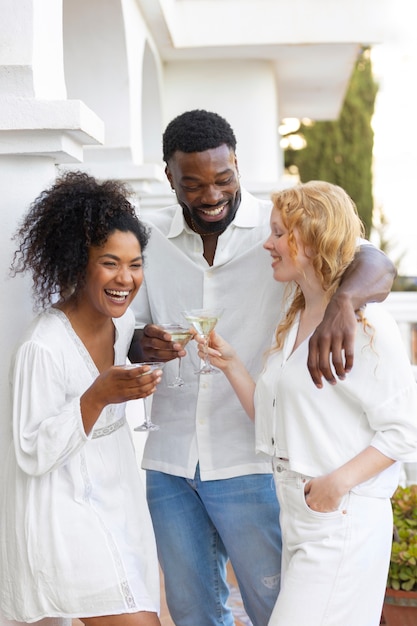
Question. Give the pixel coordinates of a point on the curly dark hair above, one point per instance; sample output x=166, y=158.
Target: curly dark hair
x=62, y=223
x=197, y=131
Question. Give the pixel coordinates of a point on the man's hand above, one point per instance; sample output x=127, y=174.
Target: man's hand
x=335, y=336
x=153, y=343
x=368, y=278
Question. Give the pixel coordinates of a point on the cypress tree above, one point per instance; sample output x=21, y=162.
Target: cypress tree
x=340, y=151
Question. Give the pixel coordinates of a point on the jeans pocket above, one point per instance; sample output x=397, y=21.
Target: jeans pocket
x=341, y=510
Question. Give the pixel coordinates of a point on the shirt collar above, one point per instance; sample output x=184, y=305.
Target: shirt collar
x=178, y=223
x=247, y=216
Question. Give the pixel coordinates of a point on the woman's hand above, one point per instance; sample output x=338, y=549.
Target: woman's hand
x=326, y=492
x=221, y=354
x=122, y=383
x=115, y=385
x=323, y=494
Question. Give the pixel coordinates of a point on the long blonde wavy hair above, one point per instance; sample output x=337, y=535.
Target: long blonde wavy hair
x=328, y=225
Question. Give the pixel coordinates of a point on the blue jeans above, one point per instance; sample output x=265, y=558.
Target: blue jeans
x=198, y=526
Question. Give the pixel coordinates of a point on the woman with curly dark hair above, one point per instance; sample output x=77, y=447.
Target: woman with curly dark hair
x=76, y=535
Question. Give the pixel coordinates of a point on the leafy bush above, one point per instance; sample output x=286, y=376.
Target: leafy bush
x=403, y=565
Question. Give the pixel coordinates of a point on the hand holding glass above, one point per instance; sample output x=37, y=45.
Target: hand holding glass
x=182, y=335
x=147, y=424
x=204, y=320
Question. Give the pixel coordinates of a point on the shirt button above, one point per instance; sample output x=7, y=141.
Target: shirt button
x=272, y=441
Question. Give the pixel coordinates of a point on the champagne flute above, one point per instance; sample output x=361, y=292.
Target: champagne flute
x=147, y=423
x=204, y=320
x=182, y=335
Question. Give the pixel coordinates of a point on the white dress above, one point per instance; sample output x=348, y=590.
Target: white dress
x=76, y=537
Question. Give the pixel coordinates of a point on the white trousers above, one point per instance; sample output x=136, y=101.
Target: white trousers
x=334, y=565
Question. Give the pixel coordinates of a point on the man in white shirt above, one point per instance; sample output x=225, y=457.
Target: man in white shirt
x=211, y=497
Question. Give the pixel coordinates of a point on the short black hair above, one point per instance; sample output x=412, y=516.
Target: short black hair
x=197, y=131
x=62, y=223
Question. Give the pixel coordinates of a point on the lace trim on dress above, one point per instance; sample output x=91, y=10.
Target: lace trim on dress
x=123, y=581
x=80, y=346
x=86, y=478
x=109, y=429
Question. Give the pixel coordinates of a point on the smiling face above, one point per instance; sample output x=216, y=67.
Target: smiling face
x=288, y=263
x=113, y=276
x=207, y=187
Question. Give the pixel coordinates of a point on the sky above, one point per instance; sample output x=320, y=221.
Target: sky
x=395, y=137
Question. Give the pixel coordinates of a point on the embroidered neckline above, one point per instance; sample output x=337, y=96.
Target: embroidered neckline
x=110, y=409
x=75, y=338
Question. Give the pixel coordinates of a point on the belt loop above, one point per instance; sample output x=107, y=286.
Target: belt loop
x=279, y=464
x=301, y=481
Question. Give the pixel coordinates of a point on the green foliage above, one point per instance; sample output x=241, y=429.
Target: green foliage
x=403, y=565
x=404, y=283
x=340, y=151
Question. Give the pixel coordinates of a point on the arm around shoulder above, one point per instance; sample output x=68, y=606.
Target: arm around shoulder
x=369, y=277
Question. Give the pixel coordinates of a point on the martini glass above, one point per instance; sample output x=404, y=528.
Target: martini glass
x=147, y=423
x=182, y=335
x=204, y=320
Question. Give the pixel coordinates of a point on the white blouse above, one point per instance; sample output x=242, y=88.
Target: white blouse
x=318, y=430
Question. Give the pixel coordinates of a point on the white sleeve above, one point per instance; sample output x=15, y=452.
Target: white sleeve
x=389, y=389
x=47, y=425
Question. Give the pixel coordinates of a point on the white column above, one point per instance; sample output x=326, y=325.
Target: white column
x=39, y=129
x=113, y=67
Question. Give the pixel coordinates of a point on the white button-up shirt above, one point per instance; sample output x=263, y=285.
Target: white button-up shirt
x=204, y=421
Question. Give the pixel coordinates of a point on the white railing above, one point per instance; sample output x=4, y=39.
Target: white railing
x=403, y=306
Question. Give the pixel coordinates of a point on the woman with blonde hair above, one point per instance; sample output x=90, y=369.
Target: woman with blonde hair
x=335, y=451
